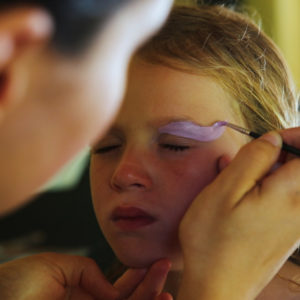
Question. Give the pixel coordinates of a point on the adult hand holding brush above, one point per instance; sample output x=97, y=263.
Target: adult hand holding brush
x=247, y=223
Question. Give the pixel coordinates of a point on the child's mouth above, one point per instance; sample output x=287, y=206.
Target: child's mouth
x=131, y=218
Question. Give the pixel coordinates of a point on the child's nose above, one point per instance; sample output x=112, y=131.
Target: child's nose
x=131, y=174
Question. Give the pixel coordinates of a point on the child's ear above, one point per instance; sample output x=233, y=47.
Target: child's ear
x=20, y=29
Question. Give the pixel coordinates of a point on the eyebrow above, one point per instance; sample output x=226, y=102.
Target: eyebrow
x=116, y=129
x=164, y=121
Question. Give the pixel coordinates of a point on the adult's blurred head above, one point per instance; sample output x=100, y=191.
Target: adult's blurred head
x=60, y=91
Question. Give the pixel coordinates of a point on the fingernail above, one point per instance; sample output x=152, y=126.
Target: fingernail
x=163, y=265
x=272, y=137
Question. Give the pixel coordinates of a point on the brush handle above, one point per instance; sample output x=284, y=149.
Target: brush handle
x=285, y=147
x=290, y=149
x=254, y=134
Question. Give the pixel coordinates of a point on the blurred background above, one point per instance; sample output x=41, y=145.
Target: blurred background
x=280, y=20
x=61, y=217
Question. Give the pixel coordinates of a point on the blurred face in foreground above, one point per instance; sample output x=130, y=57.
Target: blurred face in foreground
x=143, y=180
x=54, y=105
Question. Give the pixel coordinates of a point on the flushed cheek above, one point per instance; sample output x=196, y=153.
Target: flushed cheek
x=195, y=171
x=184, y=181
x=99, y=179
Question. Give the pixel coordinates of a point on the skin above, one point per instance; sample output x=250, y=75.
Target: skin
x=46, y=117
x=14, y=135
x=141, y=171
x=138, y=171
x=253, y=209
x=285, y=285
x=51, y=107
x=51, y=276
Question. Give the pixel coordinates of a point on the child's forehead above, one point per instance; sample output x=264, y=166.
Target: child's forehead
x=158, y=92
x=189, y=115
x=169, y=85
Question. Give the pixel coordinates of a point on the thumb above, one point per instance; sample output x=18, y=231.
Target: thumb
x=78, y=271
x=153, y=283
x=164, y=296
x=128, y=282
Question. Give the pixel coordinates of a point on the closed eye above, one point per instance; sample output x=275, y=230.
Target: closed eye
x=106, y=149
x=175, y=148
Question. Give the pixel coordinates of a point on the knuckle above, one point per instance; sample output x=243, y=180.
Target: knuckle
x=259, y=151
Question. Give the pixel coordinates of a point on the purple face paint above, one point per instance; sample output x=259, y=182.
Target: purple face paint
x=193, y=131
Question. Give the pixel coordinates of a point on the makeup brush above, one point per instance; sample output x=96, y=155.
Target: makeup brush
x=285, y=147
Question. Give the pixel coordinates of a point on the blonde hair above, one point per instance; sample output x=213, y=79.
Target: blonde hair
x=229, y=47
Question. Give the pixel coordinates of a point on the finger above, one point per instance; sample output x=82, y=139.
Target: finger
x=164, y=296
x=94, y=282
x=249, y=166
x=283, y=185
x=128, y=282
x=77, y=271
x=154, y=281
x=291, y=136
x=78, y=294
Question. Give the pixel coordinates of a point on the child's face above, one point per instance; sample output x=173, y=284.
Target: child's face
x=143, y=181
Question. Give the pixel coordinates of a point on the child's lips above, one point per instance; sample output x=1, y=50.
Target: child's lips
x=131, y=218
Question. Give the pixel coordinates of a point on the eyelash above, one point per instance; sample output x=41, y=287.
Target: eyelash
x=106, y=149
x=175, y=148
x=171, y=147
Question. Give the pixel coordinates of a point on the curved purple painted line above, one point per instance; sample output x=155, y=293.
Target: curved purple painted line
x=193, y=131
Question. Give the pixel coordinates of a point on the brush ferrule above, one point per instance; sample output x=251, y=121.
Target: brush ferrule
x=238, y=128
